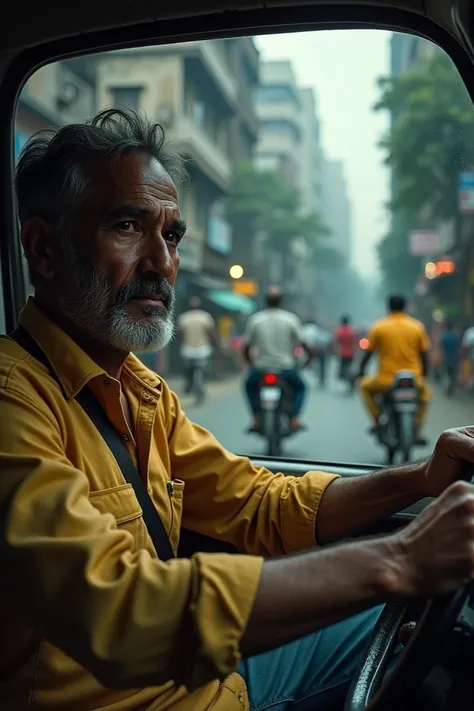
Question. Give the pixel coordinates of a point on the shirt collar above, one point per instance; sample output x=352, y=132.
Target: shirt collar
x=71, y=365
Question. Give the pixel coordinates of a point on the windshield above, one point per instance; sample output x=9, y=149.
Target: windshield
x=326, y=172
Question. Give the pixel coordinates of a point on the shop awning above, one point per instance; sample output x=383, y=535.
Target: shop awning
x=231, y=301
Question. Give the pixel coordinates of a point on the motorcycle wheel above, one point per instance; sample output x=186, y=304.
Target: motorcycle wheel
x=271, y=429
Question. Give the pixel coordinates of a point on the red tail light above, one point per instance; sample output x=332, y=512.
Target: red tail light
x=270, y=379
x=405, y=383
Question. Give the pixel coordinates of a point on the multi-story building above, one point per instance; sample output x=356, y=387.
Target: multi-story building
x=278, y=103
x=311, y=155
x=337, y=207
x=59, y=93
x=290, y=142
x=200, y=92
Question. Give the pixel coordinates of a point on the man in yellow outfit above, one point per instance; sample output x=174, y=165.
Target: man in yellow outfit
x=401, y=343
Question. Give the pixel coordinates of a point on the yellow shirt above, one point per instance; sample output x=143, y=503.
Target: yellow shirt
x=79, y=571
x=399, y=340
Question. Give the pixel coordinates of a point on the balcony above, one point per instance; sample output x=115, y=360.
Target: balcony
x=278, y=143
x=211, y=60
x=205, y=153
x=280, y=111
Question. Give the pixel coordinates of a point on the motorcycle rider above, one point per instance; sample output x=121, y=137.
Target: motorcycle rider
x=197, y=331
x=273, y=334
x=401, y=343
x=345, y=338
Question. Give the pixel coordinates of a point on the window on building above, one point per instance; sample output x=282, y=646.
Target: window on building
x=274, y=93
x=280, y=127
x=198, y=113
x=126, y=96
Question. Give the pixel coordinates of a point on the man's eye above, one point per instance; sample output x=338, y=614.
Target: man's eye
x=173, y=238
x=127, y=226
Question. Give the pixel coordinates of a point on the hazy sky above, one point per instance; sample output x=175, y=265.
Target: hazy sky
x=342, y=66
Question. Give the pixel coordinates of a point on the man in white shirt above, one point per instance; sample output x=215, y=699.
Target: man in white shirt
x=197, y=331
x=269, y=345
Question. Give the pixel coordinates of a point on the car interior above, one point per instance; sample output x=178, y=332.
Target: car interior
x=34, y=37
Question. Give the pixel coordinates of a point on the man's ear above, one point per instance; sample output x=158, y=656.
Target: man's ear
x=36, y=238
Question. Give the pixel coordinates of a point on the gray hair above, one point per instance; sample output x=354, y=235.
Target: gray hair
x=50, y=177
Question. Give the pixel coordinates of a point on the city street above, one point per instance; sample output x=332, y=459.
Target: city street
x=337, y=423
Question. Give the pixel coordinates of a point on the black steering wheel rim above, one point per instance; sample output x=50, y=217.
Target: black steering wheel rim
x=370, y=691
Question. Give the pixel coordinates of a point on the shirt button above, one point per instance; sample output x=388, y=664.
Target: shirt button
x=125, y=438
x=106, y=382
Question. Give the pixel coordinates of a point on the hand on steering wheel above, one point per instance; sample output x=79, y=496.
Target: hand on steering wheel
x=439, y=549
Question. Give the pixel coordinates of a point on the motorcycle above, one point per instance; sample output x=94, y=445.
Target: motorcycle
x=275, y=401
x=397, y=422
x=197, y=368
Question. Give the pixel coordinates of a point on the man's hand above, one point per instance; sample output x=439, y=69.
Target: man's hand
x=452, y=456
x=434, y=555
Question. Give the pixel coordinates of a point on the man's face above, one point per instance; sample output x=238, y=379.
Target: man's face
x=118, y=264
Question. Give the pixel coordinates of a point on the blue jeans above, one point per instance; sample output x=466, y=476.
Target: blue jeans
x=313, y=673
x=292, y=377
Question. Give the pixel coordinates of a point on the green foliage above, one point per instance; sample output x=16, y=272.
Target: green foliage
x=262, y=201
x=430, y=141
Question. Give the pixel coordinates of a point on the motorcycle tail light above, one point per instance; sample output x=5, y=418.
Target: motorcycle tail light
x=270, y=379
x=405, y=383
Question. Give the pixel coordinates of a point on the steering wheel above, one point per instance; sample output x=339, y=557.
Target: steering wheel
x=369, y=690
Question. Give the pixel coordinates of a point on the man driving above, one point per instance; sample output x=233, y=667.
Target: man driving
x=92, y=617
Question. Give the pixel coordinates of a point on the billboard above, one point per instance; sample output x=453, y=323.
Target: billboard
x=423, y=243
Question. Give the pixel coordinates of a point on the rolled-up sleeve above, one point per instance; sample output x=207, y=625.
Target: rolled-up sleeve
x=130, y=619
x=230, y=499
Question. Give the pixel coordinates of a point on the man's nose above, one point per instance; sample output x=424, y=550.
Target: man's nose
x=158, y=258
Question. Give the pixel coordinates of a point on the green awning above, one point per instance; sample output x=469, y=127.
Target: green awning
x=231, y=301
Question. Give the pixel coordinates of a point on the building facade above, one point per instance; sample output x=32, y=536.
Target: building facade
x=199, y=92
x=338, y=207
x=279, y=106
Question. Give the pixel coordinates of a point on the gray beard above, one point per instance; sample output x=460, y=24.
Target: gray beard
x=86, y=299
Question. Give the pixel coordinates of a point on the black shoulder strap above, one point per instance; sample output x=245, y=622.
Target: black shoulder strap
x=95, y=412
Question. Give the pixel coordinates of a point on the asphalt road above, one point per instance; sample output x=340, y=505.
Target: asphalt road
x=337, y=423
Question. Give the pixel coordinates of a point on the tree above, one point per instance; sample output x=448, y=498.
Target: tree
x=430, y=141
x=263, y=202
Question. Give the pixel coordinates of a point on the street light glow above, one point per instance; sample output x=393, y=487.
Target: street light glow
x=236, y=271
x=430, y=270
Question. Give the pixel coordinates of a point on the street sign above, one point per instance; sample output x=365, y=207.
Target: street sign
x=248, y=287
x=423, y=243
x=466, y=192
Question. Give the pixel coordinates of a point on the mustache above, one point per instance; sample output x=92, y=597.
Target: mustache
x=147, y=288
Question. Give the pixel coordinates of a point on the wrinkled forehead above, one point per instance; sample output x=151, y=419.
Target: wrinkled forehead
x=129, y=178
